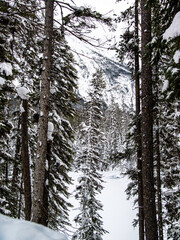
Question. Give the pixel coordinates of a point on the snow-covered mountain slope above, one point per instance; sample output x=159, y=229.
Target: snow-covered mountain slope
x=119, y=86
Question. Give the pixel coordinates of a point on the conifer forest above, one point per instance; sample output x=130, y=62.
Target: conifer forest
x=87, y=92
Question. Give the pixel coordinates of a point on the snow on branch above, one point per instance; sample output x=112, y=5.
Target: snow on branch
x=174, y=29
x=6, y=68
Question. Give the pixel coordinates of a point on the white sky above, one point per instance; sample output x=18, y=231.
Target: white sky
x=109, y=8
x=104, y=6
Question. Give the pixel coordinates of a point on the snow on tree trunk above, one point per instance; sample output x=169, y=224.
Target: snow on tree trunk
x=39, y=174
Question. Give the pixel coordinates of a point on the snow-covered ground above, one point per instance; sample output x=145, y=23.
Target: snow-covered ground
x=117, y=215
x=14, y=229
x=118, y=212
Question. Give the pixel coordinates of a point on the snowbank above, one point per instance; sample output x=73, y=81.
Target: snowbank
x=14, y=229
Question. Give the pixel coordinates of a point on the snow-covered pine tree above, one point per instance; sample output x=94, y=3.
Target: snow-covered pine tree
x=113, y=139
x=169, y=156
x=39, y=173
x=26, y=49
x=166, y=91
x=67, y=24
x=170, y=17
x=115, y=129
x=60, y=133
x=22, y=49
x=89, y=162
x=165, y=62
x=6, y=126
x=129, y=48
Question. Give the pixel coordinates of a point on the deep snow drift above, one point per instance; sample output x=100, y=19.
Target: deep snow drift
x=14, y=229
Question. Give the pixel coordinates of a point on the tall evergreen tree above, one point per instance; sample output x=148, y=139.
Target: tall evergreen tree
x=39, y=174
x=90, y=184
x=6, y=90
x=60, y=133
x=129, y=46
x=25, y=47
x=167, y=98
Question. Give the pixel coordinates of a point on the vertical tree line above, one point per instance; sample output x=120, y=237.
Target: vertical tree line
x=37, y=106
x=38, y=96
x=40, y=164
x=89, y=163
x=151, y=98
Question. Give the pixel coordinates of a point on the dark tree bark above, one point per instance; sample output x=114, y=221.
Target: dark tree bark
x=39, y=174
x=17, y=157
x=159, y=199
x=25, y=160
x=147, y=125
x=20, y=198
x=158, y=160
x=15, y=167
x=138, y=127
x=45, y=215
x=16, y=170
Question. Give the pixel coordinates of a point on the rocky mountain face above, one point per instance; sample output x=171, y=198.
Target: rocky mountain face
x=119, y=86
x=118, y=96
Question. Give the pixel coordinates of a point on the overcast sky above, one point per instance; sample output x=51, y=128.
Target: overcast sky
x=105, y=6
x=108, y=7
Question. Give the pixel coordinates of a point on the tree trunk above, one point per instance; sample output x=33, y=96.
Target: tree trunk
x=160, y=222
x=45, y=215
x=147, y=126
x=138, y=128
x=25, y=161
x=17, y=159
x=39, y=174
x=16, y=170
x=158, y=161
x=20, y=198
